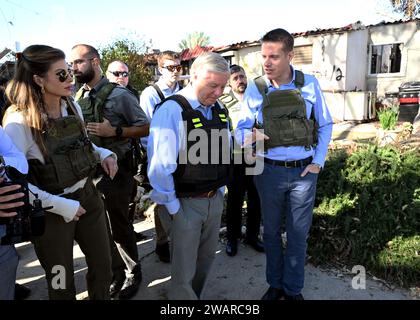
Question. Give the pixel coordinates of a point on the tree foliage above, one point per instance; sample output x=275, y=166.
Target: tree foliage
x=194, y=39
x=133, y=55
x=409, y=8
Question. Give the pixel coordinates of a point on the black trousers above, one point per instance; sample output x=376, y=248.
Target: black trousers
x=117, y=195
x=239, y=185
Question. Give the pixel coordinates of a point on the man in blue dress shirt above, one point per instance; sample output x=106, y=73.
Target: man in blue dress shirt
x=188, y=169
x=291, y=109
x=170, y=69
x=10, y=156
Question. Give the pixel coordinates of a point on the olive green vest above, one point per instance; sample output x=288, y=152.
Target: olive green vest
x=92, y=109
x=70, y=156
x=284, y=116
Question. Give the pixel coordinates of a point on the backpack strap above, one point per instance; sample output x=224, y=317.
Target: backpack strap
x=261, y=85
x=262, y=89
x=159, y=92
x=299, y=79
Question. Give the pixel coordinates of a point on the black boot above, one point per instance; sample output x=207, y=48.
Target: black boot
x=162, y=250
x=21, y=292
x=131, y=284
x=232, y=248
x=117, y=283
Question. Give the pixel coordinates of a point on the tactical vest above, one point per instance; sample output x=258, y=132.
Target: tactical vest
x=70, y=155
x=197, y=178
x=161, y=95
x=233, y=108
x=284, y=116
x=92, y=108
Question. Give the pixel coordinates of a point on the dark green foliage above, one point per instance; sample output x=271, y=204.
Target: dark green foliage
x=364, y=201
x=132, y=55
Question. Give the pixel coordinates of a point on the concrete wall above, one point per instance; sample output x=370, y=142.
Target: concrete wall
x=250, y=59
x=347, y=53
x=409, y=35
x=357, y=57
x=328, y=50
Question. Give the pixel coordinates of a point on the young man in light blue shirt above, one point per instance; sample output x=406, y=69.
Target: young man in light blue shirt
x=170, y=68
x=291, y=109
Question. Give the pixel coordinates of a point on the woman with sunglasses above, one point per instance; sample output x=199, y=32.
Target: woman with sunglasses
x=47, y=126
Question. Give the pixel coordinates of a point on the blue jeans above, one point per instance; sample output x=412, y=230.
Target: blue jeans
x=8, y=265
x=283, y=193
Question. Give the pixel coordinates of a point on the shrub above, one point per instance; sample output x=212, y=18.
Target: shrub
x=364, y=201
x=388, y=117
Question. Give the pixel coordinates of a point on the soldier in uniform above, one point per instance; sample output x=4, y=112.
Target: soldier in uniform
x=113, y=116
x=49, y=130
x=240, y=182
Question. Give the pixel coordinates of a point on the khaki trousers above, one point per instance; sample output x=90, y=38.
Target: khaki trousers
x=55, y=248
x=194, y=233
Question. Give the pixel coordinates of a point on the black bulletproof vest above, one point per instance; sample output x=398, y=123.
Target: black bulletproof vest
x=204, y=165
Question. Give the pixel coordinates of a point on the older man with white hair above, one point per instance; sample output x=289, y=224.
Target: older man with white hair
x=187, y=179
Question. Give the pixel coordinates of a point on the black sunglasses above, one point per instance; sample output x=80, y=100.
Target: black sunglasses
x=173, y=68
x=63, y=74
x=123, y=74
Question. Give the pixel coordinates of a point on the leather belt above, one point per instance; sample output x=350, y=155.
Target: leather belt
x=209, y=194
x=289, y=164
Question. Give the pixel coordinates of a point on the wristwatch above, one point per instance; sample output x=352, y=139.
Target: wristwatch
x=118, y=131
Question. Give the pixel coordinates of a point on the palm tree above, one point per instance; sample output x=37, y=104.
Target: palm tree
x=409, y=8
x=194, y=39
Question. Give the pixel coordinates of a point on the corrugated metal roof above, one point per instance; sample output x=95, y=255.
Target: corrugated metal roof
x=4, y=52
x=350, y=27
x=188, y=54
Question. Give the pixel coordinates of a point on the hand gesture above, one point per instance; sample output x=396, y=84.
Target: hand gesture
x=110, y=166
x=256, y=135
x=9, y=197
x=103, y=129
x=79, y=213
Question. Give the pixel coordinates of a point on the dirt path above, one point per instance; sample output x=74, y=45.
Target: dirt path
x=240, y=277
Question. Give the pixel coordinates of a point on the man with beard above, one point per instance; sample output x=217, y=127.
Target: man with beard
x=113, y=116
x=240, y=182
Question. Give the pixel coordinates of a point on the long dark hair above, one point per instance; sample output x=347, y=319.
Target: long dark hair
x=24, y=94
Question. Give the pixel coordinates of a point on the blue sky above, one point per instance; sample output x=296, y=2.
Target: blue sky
x=165, y=23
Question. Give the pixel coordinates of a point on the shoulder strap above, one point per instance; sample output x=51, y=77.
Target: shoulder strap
x=183, y=102
x=261, y=85
x=104, y=93
x=73, y=109
x=159, y=92
x=299, y=79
